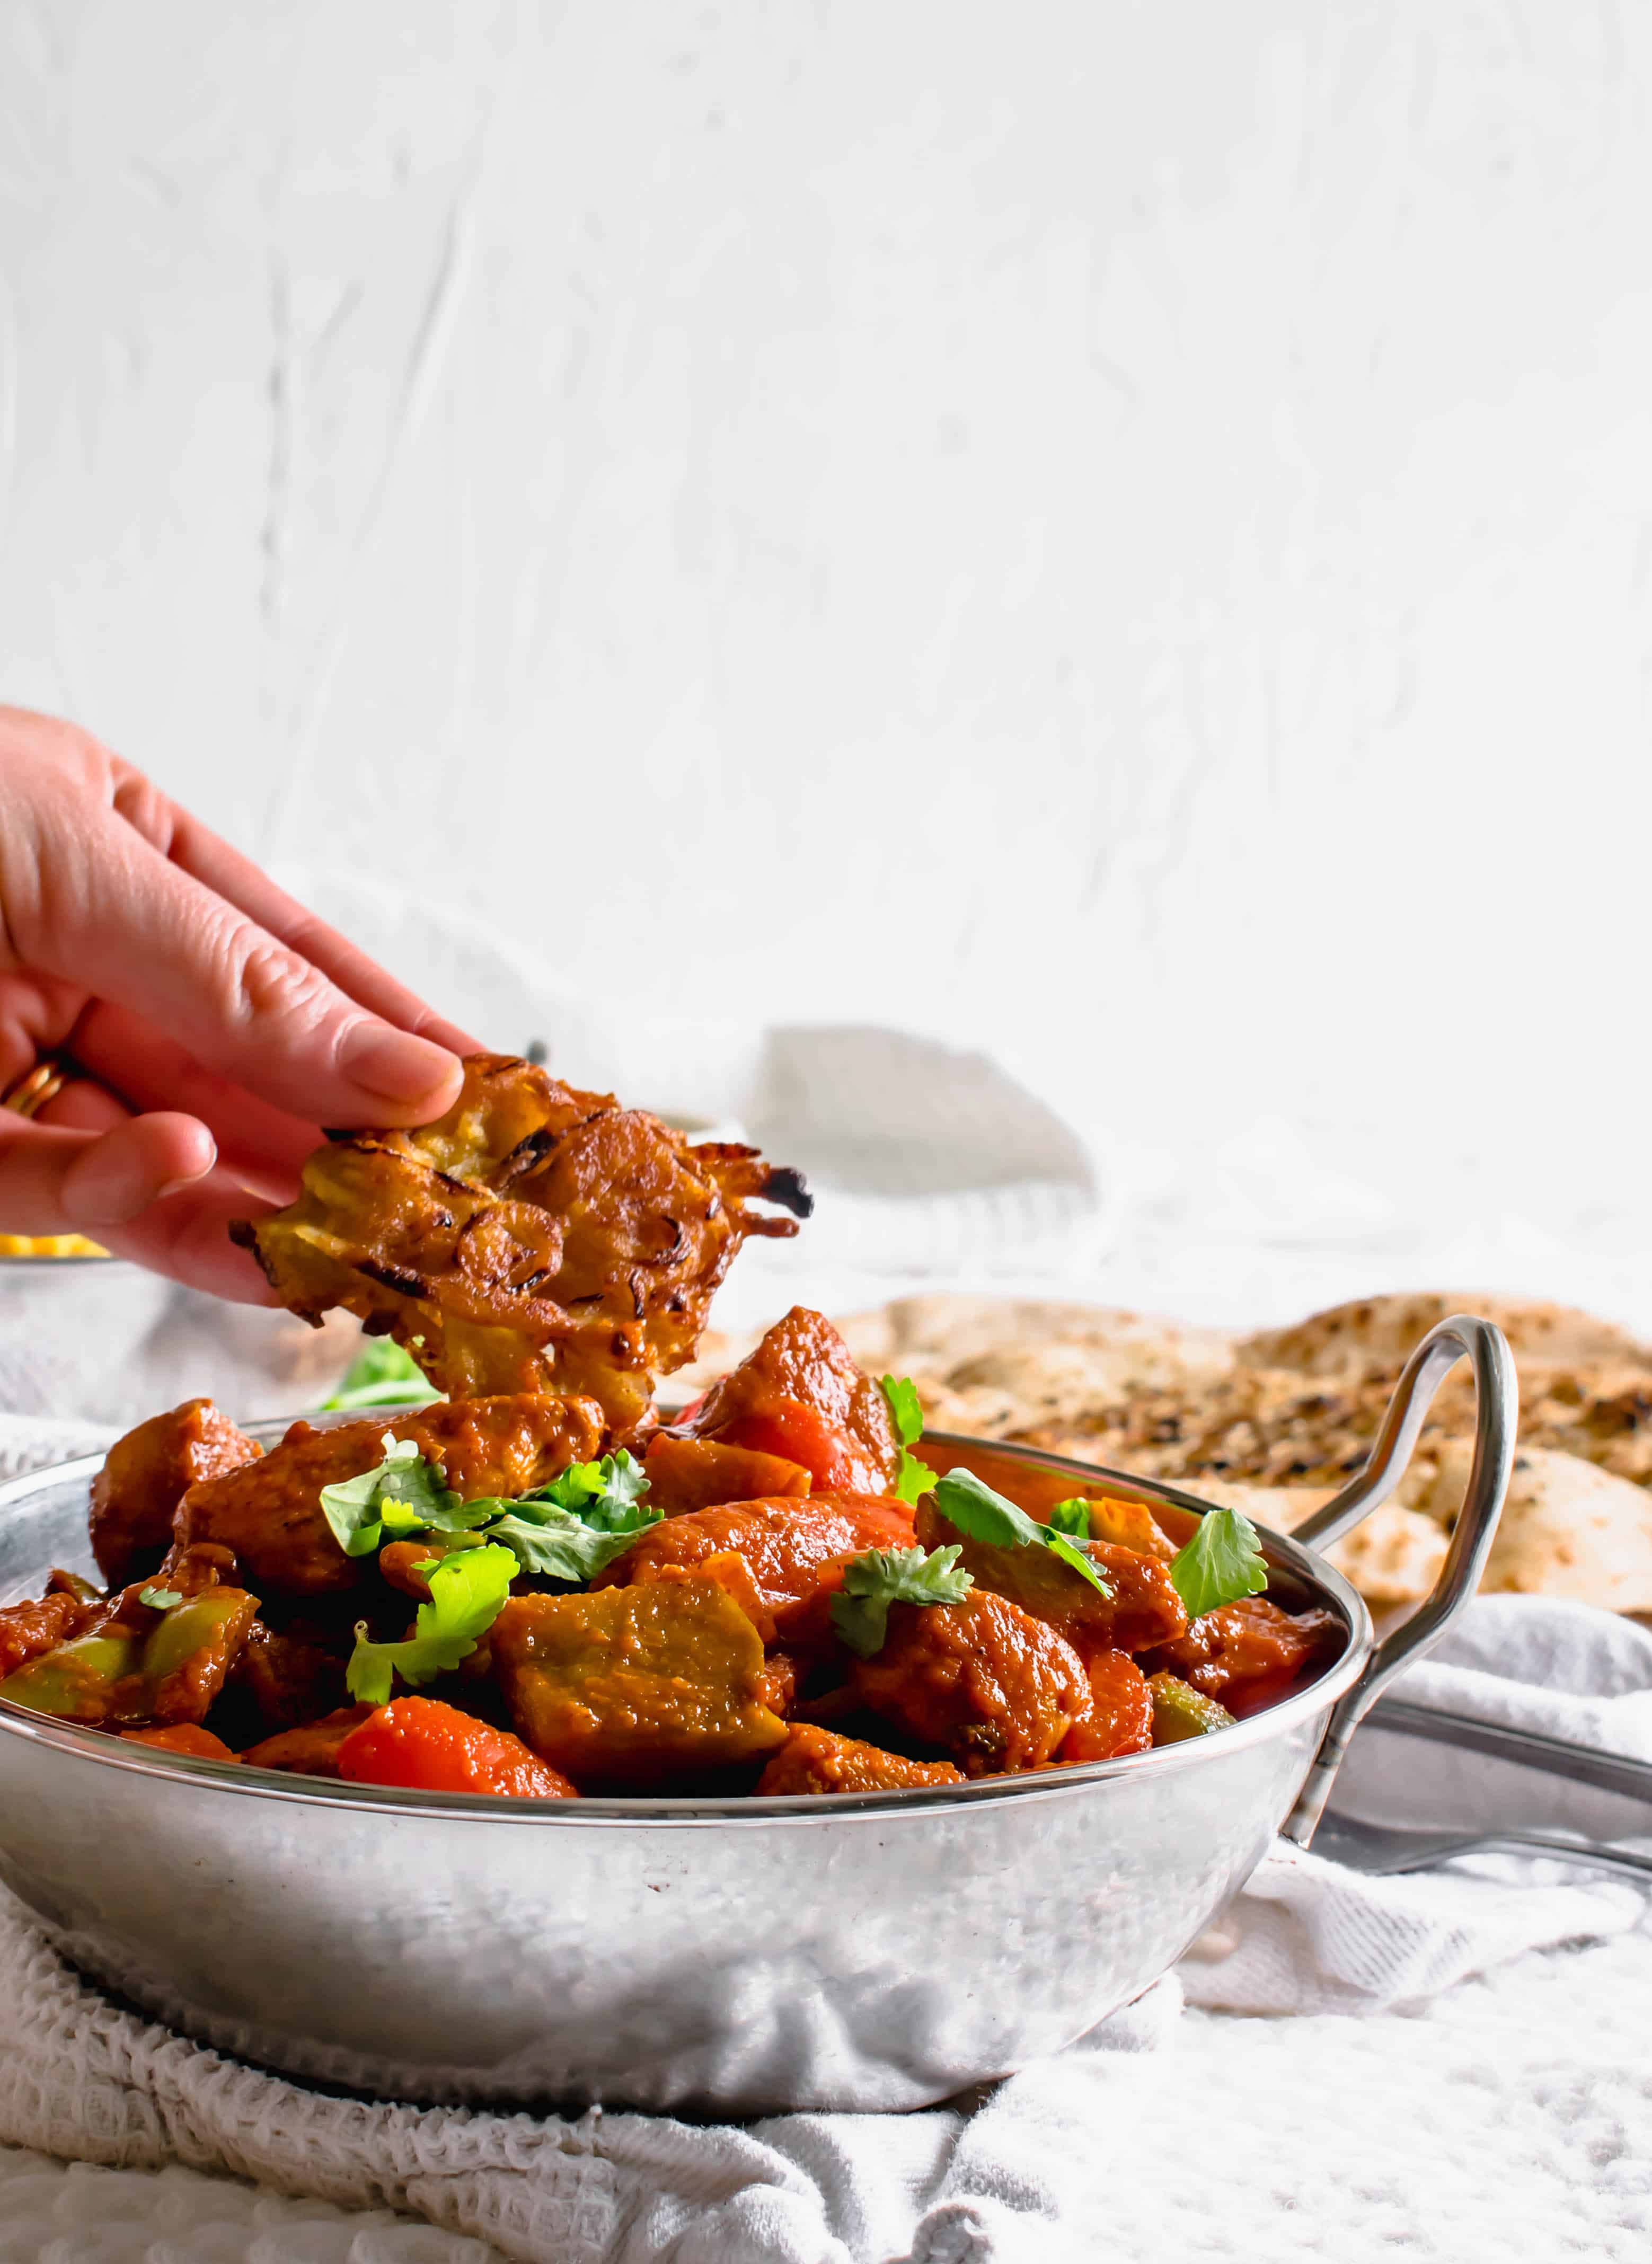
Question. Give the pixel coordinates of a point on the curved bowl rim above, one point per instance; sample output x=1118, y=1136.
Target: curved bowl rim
x=746, y=1810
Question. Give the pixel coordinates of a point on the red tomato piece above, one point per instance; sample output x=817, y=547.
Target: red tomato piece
x=800, y=1395
x=425, y=1747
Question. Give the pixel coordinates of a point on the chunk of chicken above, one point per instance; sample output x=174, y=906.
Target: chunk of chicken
x=786, y=1545
x=1249, y=1654
x=312, y=1749
x=147, y=1474
x=814, y=1759
x=271, y=1513
x=636, y=1687
x=983, y=1681
x=1143, y=1607
x=29, y=1631
x=535, y=1239
x=687, y=1474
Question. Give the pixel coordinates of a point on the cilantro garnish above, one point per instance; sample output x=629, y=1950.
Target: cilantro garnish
x=882, y=1576
x=468, y=1593
x=965, y=1502
x=403, y=1494
x=569, y=1529
x=159, y=1600
x=1221, y=1562
x=1071, y=1517
x=381, y=1375
x=564, y=1546
x=913, y=1478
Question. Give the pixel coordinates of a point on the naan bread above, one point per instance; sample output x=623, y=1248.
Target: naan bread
x=1379, y=1334
x=1567, y=1529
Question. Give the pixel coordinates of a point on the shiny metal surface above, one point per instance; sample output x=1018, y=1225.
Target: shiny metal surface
x=1384, y=1850
x=1496, y=1421
x=735, y=1956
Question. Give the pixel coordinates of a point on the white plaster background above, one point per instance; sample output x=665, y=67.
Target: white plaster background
x=1122, y=533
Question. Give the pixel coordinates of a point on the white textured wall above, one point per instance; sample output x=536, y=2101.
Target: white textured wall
x=1111, y=528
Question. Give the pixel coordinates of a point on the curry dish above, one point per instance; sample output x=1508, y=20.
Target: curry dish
x=536, y=1587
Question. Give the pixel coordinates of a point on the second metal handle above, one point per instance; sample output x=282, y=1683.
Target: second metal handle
x=1496, y=1412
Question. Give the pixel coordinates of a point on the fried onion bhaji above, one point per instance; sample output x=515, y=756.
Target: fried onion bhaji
x=147, y=1474
x=270, y=1513
x=535, y=1239
x=983, y=1681
x=801, y=1396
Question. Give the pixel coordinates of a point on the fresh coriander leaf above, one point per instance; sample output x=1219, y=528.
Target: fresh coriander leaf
x=401, y=1494
x=965, y=1501
x=1071, y=1517
x=1221, y=1562
x=980, y=1513
x=467, y=1594
x=882, y=1576
x=159, y=1600
x=563, y=1547
x=381, y=1375
x=1072, y=1552
x=913, y=1478
x=601, y=1494
x=904, y=1407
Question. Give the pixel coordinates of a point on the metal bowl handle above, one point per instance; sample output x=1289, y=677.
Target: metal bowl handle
x=1497, y=1407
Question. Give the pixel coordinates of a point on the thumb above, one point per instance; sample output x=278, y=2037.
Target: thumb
x=115, y=917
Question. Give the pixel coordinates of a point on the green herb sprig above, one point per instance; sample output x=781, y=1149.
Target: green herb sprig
x=1221, y=1562
x=568, y=1530
x=882, y=1576
x=468, y=1591
x=913, y=1478
x=972, y=1506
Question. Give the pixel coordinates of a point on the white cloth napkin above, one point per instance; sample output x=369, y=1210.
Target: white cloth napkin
x=1022, y=2178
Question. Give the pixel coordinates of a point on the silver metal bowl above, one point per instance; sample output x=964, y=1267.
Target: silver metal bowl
x=709, y=1956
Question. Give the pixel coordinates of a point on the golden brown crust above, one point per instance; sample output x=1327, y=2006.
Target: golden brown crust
x=535, y=1239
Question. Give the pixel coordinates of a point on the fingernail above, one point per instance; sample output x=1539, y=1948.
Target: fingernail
x=394, y=1064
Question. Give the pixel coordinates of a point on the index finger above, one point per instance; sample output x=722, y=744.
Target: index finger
x=196, y=850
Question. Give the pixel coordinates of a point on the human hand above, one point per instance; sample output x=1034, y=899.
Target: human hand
x=219, y=1024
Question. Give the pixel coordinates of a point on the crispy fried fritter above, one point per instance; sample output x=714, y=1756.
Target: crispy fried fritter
x=535, y=1239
